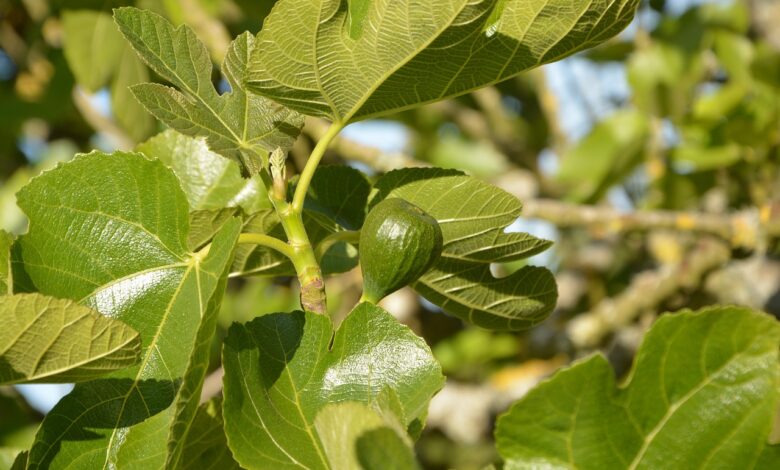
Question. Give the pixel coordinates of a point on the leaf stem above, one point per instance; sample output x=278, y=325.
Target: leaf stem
x=299, y=248
x=267, y=241
x=311, y=165
x=302, y=256
x=349, y=236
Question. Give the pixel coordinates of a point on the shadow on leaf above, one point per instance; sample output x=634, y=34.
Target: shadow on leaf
x=94, y=409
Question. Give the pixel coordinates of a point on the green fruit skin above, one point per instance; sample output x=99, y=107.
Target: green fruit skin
x=399, y=242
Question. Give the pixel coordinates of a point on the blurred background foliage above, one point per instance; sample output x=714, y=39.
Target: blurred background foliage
x=653, y=162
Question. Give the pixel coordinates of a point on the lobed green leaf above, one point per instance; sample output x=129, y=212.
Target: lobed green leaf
x=237, y=125
x=473, y=215
x=702, y=394
x=110, y=231
x=282, y=370
x=355, y=59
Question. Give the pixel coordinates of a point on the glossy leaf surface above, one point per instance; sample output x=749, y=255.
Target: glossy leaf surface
x=281, y=370
x=702, y=394
x=210, y=181
x=110, y=231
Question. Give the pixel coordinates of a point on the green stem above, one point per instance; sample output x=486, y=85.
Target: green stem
x=348, y=236
x=298, y=247
x=302, y=256
x=311, y=166
x=267, y=241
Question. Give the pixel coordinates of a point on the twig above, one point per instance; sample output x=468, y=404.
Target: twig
x=746, y=228
x=212, y=385
x=12, y=44
x=548, y=102
x=101, y=123
x=490, y=102
x=645, y=293
x=470, y=121
x=491, y=125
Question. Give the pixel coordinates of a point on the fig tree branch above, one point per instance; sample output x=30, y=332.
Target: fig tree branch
x=745, y=229
x=646, y=292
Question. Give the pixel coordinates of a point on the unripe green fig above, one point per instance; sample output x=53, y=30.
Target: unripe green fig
x=399, y=242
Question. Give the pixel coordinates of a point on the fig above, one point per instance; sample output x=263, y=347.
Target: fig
x=399, y=242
